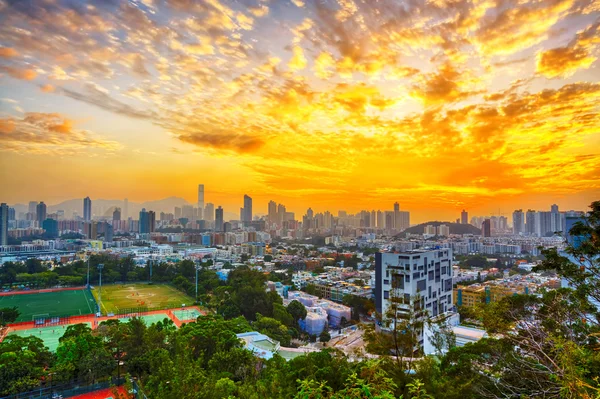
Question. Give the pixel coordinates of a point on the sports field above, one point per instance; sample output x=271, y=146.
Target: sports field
x=49, y=304
x=149, y=319
x=119, y=297
x=49, y=335
x=187, y=314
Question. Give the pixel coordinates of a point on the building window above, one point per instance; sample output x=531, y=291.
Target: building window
x=386, y=295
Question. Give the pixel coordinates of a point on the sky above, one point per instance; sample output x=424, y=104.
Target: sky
x=440, y=105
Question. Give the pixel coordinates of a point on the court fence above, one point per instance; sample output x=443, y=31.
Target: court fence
x=66, y=390
x=144, y=309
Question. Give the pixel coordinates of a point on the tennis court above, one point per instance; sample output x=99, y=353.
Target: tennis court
x=49, y=335
x=187, y=314
x=49, y=304
x=120, y=297
x=148, y=319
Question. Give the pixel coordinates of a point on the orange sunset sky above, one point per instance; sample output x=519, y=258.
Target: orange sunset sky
x=488, y=105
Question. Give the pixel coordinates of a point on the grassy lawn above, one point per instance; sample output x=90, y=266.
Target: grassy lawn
x=58, y=303
x=126, y=296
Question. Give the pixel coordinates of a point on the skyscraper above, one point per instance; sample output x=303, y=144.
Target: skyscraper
x=209, y=212
x=247, y=209
x=201, y=196
x=396, y=207
x=530, y=222
x=87, y=209
x=151, y=221
x=50, y=227
x=40, y=211
x=12, y=214
x=144, y=225
x=219, y=219
x=272, y=214
x=486, y=228
x=32, y=207
x=3, y=224
x=117, y=214
x=281, y=210
x=464, y=217
x=555, y=219
x=518, y=222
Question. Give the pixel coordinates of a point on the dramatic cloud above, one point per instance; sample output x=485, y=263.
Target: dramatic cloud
x=579, y=54
x=43, y=133
x=333, y=100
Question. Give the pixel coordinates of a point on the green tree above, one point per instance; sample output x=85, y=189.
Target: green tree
x=8, y=315
x=324, y=336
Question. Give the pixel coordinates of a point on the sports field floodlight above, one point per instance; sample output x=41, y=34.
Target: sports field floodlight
x=100, y=267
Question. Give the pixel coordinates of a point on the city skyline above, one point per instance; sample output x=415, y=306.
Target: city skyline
x=455, y=105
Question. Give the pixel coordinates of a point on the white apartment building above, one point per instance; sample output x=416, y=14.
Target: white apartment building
x=423, y=279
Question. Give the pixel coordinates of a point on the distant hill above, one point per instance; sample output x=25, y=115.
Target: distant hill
x=455, y=228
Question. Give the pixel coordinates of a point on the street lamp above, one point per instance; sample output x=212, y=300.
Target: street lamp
x=197, y=268
x=88, y=272
x=100, y=267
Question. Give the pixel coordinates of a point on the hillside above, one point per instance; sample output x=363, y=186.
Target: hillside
x=455, y=228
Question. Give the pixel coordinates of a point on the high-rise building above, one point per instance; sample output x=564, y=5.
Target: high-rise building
x=443, y=230
x=108, y=232
x=502, y=223
x=201, y=196
x=32, y=207
x=151, y=221
x=464, y=217
x=40, y=212
x=50, y=227
x=125, y=209
x=3, y=224
x=415, y=280
x=396, y=207
x=144, y=225
x=247, y=209
x=219, y=219
x=117, y=214
x=281, y=211
x=555, y=219
x=272, y=212
x=530, y=225
x=11, y=214
x=486, y=228
x=310, y=213
x=87, y=209
x=209, y=212
x=518, y=222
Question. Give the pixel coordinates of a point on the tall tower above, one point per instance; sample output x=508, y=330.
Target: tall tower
x=247, y=209
x=272, y=212
x=219, y=219
x=125, y=209
x=87, y=209
x=201, y=196
x=518, y=222
x=3, y=224
x=40, y=211
x=464, y=217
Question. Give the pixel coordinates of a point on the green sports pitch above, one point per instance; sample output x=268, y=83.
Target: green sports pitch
x=116, y=298
x=51, y=304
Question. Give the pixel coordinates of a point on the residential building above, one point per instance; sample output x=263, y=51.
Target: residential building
x=247, y=210
x=87, y=209
x=117, y=214
x=3, y=224
x=219, y=219
x=464, y=217
x=50, y=226
x=200, y=196
x=486, y=228
x=209, y=212
x=40, y=212
x=144, y=227
x=518, y=222
x=420, y=280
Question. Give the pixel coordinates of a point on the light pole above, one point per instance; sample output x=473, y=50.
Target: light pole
x=197, y=267
x=150, y=261
x=100, y=267
x=88, y=273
